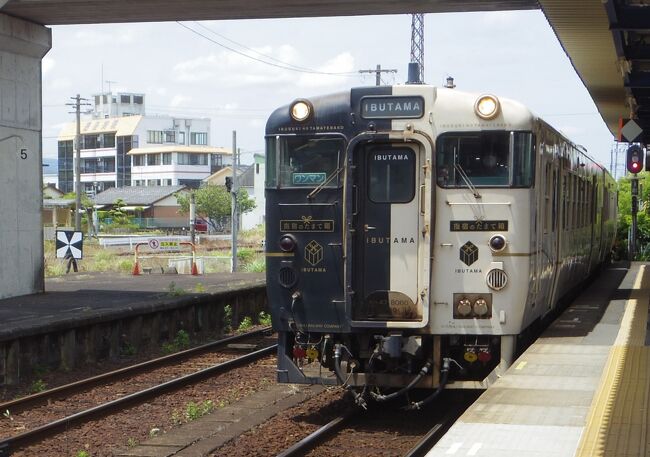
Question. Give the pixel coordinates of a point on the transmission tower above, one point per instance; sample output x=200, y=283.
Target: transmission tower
x=417, y=43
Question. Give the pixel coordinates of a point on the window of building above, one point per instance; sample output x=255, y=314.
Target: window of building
x=167, y=182
x=138, y=100
x=191, y=183
x=200, y=138
x=153, y=182
x=125, y=99
x=107, y=140
x=167, y=158
x=90, y=142
x=186, y=158
x=138, y=182
x=181, y=137
x=257, y=168
x=153, y=159
x=104, y=99
x=170, y=136
x=138, y=160
x=96, y=99
x=155, y=136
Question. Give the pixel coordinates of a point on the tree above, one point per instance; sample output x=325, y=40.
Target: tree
x=214, y=202
x=625, y=214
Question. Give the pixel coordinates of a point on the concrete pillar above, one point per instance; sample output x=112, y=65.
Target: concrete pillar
x=22, y=46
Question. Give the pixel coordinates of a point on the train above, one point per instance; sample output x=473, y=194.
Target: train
x=415, y=234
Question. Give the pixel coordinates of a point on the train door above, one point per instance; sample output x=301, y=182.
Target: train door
x=388, y=221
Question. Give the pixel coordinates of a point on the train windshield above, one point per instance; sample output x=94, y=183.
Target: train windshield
x=485, y=159
x=303, y=162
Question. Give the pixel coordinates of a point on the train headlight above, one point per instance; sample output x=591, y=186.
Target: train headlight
x=487, y=106
x=497, y=243
x=287, y=243
x=464, y=307
x=301, y=110
x=480, y=307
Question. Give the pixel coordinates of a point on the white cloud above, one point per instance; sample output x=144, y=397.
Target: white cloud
x=92, y=37
x=342, y=63
x=179, y=100
x=59, y=84
x=47, y=64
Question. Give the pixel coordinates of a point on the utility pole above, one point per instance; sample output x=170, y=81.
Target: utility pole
x=417, y=45
x=192, y=218
x=234, y=212
x=77, y=162
x=378, y=71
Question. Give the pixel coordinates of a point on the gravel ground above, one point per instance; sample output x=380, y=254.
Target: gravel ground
x=288, y=427
x=102, y=437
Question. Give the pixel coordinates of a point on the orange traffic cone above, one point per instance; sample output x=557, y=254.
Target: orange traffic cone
x=136, y=269
x=195, y=271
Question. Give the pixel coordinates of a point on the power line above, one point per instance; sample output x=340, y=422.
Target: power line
x=251, y=49
x=284, y=66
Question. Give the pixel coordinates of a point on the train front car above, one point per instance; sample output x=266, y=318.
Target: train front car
x=402, y=230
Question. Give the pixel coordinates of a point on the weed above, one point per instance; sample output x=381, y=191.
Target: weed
x=131, y=442
x=245, y=255
x=264, y=318
x=256, y=266
x=125, y=266
x=182, y=340
x=127, y=350
x=175, y=291
x=245, y=324
x=38, y=386
x=176, y=418
x=83, y=454
x=193, y=411
x=8, y=415
x=227, y=318
x=199, y=288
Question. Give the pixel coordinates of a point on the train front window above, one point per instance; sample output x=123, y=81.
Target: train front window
x=303, y=162
x=485, y=159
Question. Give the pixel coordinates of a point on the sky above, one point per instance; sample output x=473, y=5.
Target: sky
x=512, y=54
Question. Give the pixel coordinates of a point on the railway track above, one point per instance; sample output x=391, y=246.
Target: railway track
x=41, y=431
x=355, y=429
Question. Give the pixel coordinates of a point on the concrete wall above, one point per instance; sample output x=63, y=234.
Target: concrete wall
x=22, y=45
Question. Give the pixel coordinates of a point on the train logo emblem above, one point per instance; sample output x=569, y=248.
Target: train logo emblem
x=313, y=253
x=468, y=253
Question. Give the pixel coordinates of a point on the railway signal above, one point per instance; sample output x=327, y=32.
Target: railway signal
x=634, y=159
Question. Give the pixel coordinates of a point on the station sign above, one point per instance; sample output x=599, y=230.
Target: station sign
x=69, y=242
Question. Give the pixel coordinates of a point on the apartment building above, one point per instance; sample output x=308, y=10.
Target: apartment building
x=166, y=150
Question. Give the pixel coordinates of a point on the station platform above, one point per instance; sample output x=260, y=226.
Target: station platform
x=582, y=389
x=82, y=299
x=86, y=317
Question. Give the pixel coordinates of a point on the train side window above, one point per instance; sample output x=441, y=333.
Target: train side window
x=391, y=175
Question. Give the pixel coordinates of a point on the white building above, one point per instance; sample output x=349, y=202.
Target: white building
x=171, y=165
x=116, y=128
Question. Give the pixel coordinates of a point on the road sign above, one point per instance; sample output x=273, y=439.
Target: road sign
x=154, y=243
x=169, y=246
x=628, y=130
x=69, y=241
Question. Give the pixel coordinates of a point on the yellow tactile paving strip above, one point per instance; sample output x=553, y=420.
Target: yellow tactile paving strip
x=617, y=424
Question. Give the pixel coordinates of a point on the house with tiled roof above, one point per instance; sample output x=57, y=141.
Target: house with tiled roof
x=155, y=206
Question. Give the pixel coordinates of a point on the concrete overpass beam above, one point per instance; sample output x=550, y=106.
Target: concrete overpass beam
x=22, y=46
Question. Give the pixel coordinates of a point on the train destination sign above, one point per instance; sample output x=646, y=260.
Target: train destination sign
x=478, y=226
x=392, y=107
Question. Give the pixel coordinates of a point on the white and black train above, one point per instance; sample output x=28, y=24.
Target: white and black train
x=413, y=233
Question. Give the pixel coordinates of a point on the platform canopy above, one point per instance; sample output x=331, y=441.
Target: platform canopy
x=608, y=41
